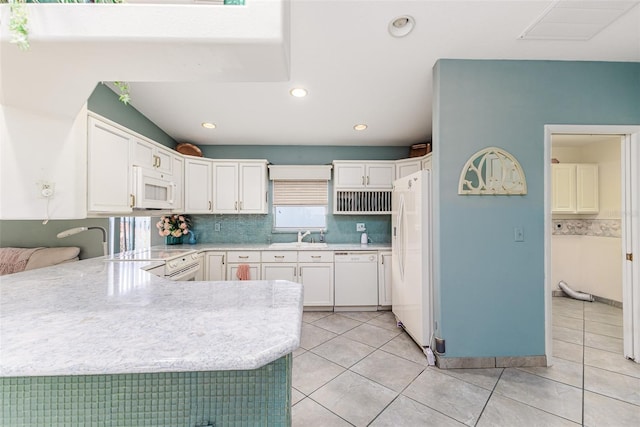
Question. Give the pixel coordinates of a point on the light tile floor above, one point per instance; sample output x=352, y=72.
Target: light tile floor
x=359, y=369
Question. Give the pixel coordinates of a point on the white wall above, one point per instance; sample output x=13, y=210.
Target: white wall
x=589, y=263
x=38, y=147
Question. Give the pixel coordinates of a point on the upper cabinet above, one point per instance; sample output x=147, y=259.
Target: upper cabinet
x=198, y=185
x=152, y=156
x=240, y=187
x=575, y=188
x=370, y=174
x=406, y=167
x=109, y=169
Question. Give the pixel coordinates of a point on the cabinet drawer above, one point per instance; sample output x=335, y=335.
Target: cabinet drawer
x=315, y=256
x=279, y=256
x=243, y=257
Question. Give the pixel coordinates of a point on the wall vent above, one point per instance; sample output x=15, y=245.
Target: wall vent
x=353, y=202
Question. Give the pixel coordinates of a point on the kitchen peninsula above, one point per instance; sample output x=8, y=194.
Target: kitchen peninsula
x=106, y=343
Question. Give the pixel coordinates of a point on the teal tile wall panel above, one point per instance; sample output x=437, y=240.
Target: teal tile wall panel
x=222, y=398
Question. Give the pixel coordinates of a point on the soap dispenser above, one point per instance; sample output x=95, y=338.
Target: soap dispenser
x=364, y=239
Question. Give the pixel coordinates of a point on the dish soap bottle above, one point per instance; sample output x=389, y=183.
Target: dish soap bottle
x=364, y=239
x=192, y=238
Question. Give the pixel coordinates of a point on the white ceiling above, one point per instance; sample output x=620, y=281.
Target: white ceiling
x=355, y=72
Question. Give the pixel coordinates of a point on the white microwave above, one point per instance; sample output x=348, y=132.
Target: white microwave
x=152, y=189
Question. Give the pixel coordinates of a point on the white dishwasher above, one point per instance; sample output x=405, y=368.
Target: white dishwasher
x=356, y=280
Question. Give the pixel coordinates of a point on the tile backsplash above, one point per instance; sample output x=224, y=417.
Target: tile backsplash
x=258, y=229
x=588, y=227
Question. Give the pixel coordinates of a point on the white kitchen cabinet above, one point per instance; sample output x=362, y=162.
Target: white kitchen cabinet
x=178, y=180
x=197, y=185
x=426, y=162
x=214, y=266
x=384, y=279
x=280, y=265
x=406, y=167
x=575, y=188
x=371, y=174
x=152, y=156
x=240, y=187
x=237, y=258
x=315, y=273
x=109, y=171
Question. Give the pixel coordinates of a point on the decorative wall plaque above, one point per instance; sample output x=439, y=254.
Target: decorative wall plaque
x=492, y=171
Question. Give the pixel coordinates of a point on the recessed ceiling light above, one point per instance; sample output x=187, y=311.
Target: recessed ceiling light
x=208, y=125
x=298, y=92
x=401, y=26
x=360, y=126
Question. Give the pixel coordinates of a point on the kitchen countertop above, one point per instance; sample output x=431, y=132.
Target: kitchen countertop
x=266, y=247
x=99, y=317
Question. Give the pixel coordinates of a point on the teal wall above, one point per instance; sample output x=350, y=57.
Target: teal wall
x=489, y=290
x=105, y=102
x=30, y=234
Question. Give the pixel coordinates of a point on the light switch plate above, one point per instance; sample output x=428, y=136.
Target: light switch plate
x=518, y=234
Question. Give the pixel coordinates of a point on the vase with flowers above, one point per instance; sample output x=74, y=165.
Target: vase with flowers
x=173, y=227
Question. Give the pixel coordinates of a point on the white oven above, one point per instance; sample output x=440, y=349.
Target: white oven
x=178, y=264
x=184, y=268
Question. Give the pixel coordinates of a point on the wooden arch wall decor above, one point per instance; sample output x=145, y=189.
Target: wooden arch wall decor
x=492, y=171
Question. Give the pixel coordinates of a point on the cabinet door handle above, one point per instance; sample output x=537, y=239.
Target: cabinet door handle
x=300, y=272
x=240, y=205
x=159, y=161
x=222, y=259
x=362, y=179
x=367, y=180
x=278, y=256
x=316, y=256
x=209, y=204
x=132, y=198
x=382, y=259
x=235, y=206
x=243, y=256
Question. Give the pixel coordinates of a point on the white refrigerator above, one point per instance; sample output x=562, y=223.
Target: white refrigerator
x=411, y=289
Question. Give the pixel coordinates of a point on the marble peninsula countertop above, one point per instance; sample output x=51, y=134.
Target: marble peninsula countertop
x=202, y=247
x=99, y=317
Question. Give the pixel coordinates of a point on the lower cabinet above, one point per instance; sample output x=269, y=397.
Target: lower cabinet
x=384, y=279
x=315, y=272
x=214, y=266
x=236, y=259
x=313, y=269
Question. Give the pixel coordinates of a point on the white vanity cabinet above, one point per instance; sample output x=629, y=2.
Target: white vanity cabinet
x=214, y=266
x=575, y=188
x=237, y=258
x=384, y=279
x=151, y=156
x=109, y=180
x=280, y=265
x=197, y=185
x=371, y=174
x=239, y=187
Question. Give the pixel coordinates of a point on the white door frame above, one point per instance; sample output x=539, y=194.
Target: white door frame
x=630, y=165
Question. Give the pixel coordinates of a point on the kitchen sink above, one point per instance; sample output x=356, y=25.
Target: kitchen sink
x=296, y=245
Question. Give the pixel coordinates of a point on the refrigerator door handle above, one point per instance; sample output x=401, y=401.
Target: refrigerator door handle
x=400, y=236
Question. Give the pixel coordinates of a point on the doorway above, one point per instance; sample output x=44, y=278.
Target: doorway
x=618, y=212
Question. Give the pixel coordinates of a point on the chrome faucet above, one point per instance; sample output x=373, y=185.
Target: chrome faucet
x=302, y=236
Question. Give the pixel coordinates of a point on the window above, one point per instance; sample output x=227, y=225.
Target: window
x=300, y=205
x=130, y=233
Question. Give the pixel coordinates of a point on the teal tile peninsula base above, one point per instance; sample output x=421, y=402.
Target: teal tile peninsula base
x=219, y=398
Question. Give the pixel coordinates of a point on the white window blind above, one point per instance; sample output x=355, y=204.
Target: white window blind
x=300, y=193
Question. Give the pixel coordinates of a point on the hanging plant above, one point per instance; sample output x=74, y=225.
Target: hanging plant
x=18, y=26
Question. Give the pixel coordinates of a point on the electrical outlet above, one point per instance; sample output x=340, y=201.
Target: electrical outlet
x=360, y=226
x=216, y=227
x=46, y=189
